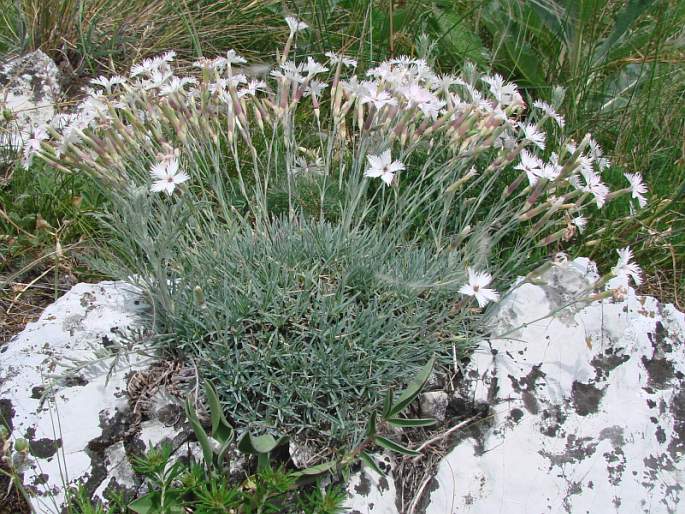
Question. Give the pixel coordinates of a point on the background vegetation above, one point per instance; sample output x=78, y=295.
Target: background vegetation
x=621, y=63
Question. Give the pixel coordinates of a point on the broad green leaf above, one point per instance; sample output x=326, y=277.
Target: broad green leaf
x=413, y=389
x=259, y=444
x=391, y=445
x=200, y=433
x=221, y=428
x=408, y=422
x=221, y=455
x=631, y=11
x=370, y=461
x=148, y=504
x=457, y=38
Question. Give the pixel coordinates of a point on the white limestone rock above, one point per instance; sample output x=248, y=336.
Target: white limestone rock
x=29, y=90
x=433, y=404
x=75, y=421
x=589, y=407
x=371, y=493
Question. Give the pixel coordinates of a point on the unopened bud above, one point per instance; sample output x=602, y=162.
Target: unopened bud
x=21, y=445
x=199, y=295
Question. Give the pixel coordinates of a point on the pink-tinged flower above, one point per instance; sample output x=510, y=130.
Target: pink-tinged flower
x=477, y=288
x=378, y=97
x=167, y=176
x=383, y=166
x=416, y=94
x=32, y=145
x=218, y=63
x=637, y=187
x=625, y=268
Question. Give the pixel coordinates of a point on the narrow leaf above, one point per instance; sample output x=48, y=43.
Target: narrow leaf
x=413, y=389
x=387, y=404
x=371, y=428
x=370, y=461
x=316, y=470
x=391, y=445
x=407, y=422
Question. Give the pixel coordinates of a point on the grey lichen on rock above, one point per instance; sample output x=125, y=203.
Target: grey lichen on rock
x=588, y=411
x=29, y=91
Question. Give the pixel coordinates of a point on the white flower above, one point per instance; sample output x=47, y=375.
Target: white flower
x=477, y=287
x=32, y=145
x=593, y=184
x=549, y=111
x=383, y=71
x=252, y=87
x=144, y=68
x=531, y=165
x=432, y=109
x=290, y=71
x=295, y=25
x=580, y=222
x=305, y=167
x=444, y=82
x=505, y=93
x=341, y=59
x=166, y=56
x=218, y=63
x=417, y=95
x=383, y=166
x=625, y=268
x=232, y=57
x=552, y=169
x=176, y=85
x=313, y=68
x=379, y=98
x=157, y=79
x=108, y=82
x=353, y=87
x=532, y=134
x=167, y=176
x=637, y=187
x=315, y=88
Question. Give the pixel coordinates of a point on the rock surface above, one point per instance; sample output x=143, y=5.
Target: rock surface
x=76, y=418
x=29, y=90
x=371, y=493
x=589, y=407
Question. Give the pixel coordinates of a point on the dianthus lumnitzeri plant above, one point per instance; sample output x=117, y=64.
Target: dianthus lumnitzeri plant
x=311, y=235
